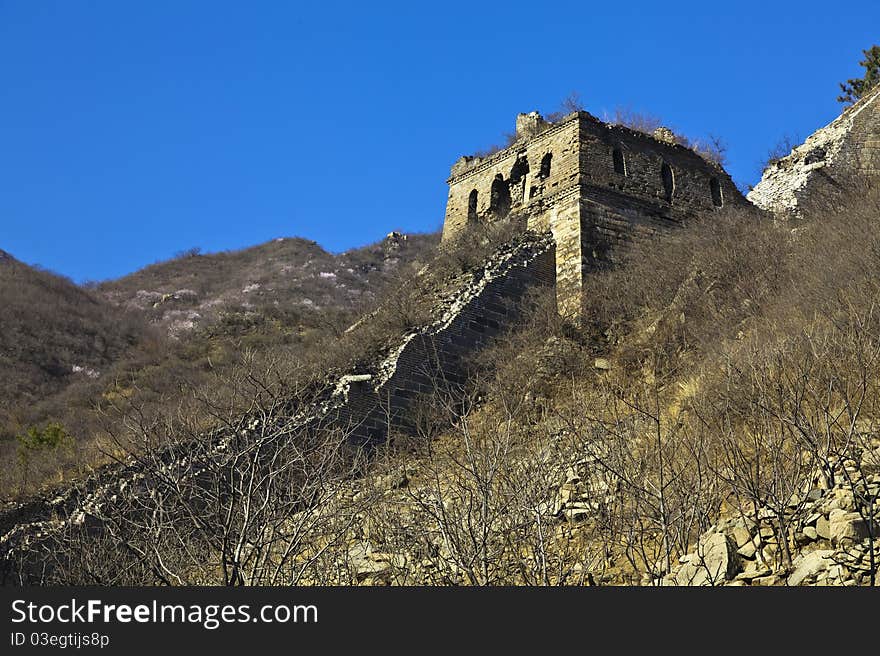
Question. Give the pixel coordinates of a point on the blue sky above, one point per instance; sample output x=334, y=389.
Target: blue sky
x=131, y=131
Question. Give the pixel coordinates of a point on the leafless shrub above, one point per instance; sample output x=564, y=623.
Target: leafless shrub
x=571, y=103
x=779, y=150
x=757, y=356
x=246, y=504
x=680, y=294
x=479, y=505
x=633, y=120
x=712, y=147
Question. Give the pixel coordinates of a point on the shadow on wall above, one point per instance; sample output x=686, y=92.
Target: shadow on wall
x=487, y=306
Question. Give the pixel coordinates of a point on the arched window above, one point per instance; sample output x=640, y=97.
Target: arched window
x=668, y=178
x=545, y=166
x=619, y=163
x=499, y=200
x=715, y=188
x=519, y=170
x=472, y=205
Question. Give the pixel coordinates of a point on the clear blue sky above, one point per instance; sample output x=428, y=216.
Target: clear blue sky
x=130, y=131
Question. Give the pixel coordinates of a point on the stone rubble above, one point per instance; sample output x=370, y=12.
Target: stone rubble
x=832, y=546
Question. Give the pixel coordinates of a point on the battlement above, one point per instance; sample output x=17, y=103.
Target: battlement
x=594, y=185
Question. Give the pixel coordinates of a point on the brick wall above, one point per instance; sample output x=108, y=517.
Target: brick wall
x=437, y=354
x=642, y=181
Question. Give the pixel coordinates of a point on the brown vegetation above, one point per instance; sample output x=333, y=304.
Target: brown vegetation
x=712, y=147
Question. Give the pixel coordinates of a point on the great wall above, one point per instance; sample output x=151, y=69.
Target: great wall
x=579, y=190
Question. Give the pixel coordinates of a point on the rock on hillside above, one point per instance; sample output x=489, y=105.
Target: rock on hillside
x=832, y=537
x=291, y=274
x=844, y=150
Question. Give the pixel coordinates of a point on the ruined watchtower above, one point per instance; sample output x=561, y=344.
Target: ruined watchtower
x=595, y=186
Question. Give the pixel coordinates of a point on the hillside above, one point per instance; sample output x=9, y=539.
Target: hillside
x=714, y=422
x=54, y=333
x=286, y=276
x=81, y=357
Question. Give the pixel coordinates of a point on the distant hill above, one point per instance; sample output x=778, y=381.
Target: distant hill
x=287, y=276
x=54, y=332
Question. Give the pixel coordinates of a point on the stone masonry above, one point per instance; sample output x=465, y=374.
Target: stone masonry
x=845, y=150
x=595, y=186
x=435, y=356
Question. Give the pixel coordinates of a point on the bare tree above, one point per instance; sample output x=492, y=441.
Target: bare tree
x=255, y=501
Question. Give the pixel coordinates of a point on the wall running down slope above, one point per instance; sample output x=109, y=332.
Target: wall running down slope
x=435, y=356
x=480, y=306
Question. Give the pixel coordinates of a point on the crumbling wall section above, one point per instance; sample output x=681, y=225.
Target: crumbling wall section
x=436, y=356
x=532, y=169
x=846, y=150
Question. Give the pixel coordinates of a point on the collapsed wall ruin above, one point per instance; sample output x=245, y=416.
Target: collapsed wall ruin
x=437, y=355
x=844, y=152
x=593, y=185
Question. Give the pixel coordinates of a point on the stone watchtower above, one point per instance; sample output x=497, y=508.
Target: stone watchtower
x=595, y=186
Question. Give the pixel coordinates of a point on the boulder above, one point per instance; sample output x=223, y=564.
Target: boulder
x=767, y=532
x=770, y=580
x=719, y=555
x=754, y=570
x=815, y=494
x=810, y=565
x=741, y=536
x=845, y=526
x=690, y=574
x=844, y=499
x=714, y=562
x=812, y=519
x=748, y=550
